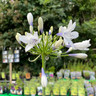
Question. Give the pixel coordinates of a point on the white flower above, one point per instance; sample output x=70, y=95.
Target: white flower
x=79, y=55
x=30, y=40
x=82, y=45
x=68, y=34
x=30, y=19
x=40, y=24
x=17, y=37
x=43, y=79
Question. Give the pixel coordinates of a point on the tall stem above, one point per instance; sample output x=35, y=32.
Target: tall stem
x=43, y=66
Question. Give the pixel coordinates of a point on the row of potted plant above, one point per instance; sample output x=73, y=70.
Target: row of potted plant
x=55, y=87
x=77, y=88
x=76, y=74
x=16, y=88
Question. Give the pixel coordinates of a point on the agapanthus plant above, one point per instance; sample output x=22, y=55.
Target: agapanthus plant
x=45, y=45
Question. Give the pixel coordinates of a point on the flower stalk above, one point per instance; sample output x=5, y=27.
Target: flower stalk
x=43, y=66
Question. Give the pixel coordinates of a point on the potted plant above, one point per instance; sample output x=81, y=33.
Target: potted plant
x=74, y=91
x=13, y=76
x=86, y=75
x=72, y=75
x=63, y=91
x=47, y=91
x=3, y=75
x=1, y=89
x=19, y=91
x=5, y=87
x=59, y=75
x=56, y=91
x=95, y=90
x=93, y=82
x=26, y=91
x=17, y=75
x=87, y=85
x=66, y=74
x=13, y=90
x=39, y=90
x=28, y=76
x=90, y=91
x=78, y=75
x=33, y=90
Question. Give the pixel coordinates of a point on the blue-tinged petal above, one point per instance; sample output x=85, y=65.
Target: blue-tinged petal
x=28, y=47
x=70, y=24
x=74, y=35
x=68, y=41
x=68, y=46
x=59, y=34
x=24, y=39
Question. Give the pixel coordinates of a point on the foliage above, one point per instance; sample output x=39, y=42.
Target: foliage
x=13, y=20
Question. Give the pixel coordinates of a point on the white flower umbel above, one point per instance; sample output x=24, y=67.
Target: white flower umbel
x=47, y=45
x=68, y=34
x=79, y=55
x=43, y=79
x=30, y=19
x=30, y=40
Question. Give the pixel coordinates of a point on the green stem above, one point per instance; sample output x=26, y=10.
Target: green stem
x=43, y=66
x=43, y=61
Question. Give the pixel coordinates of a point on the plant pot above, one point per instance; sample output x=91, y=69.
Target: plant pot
x=13, y=92
x=7, y=77
x=19, y=92
x=87, y=78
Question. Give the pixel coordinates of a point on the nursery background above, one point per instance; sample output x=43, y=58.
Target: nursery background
x=54, y=13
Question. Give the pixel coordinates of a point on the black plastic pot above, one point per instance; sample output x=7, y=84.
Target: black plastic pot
x=87, y=77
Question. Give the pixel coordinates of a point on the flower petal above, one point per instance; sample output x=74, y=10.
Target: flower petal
x=74, y=35
x=59, y=34
x=24, y=39
x=68, y=41
x=28, y=47
x=70, y=24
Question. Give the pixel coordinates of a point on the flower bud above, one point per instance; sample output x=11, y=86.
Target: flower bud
x=60, y=29
x=25, y=33
x=30, y=19
x=17, y=37
x=40, y=24
x=69, y=50
x=43, y=79
x=31, y=29
x=51, y=28
x=79, y=55
x=58, y=43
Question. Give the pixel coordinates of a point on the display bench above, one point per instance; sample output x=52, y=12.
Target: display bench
x=74, y=84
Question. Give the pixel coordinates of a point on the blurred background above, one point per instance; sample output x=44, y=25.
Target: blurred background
x=54, y=13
